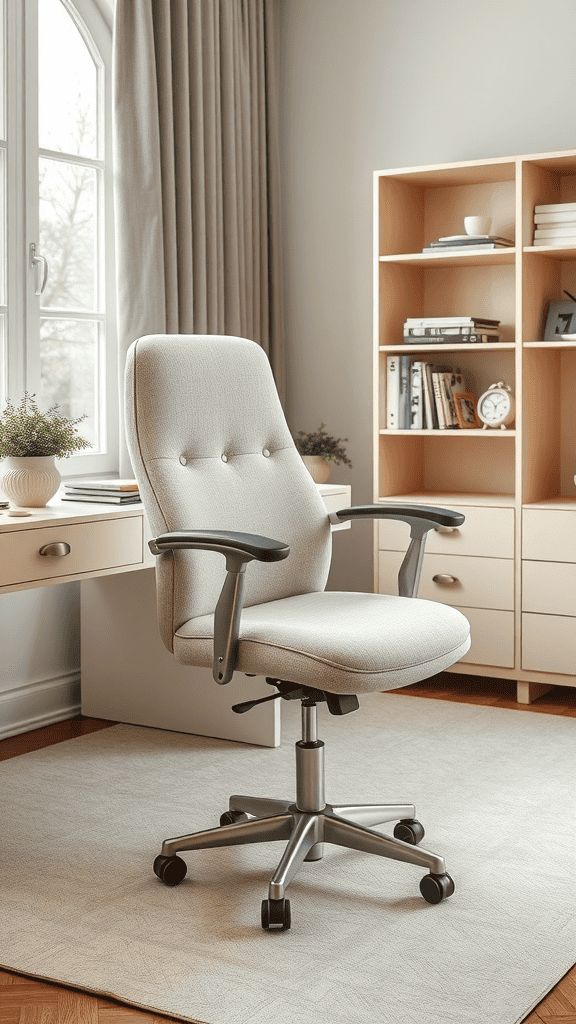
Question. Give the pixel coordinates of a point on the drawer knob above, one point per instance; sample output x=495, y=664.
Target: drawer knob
x=445, y=580
x=58, y=549
x=446, y=529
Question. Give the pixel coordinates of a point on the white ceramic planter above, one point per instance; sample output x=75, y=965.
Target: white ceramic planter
x=318, y=468
x=30, y=481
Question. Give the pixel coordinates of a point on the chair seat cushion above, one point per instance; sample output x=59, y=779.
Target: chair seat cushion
x=338, y=641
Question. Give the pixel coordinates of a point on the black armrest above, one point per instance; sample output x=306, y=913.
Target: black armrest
x=426, y=513
x=238, y=548
x=421, y=519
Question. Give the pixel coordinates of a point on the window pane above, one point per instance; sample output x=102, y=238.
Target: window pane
x=68, y=234
x=3, y=232
x=67, y=79
x=69, y=370
x=2, y=71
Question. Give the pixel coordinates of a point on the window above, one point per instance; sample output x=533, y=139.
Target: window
x=57, y=279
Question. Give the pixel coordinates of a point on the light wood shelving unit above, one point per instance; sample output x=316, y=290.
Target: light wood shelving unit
x=514, y=559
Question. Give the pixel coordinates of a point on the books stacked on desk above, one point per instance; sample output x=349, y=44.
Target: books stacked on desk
x=555, y=224
x=423, y=396
x=468, y=243
x=451, y=330
x=109, y=492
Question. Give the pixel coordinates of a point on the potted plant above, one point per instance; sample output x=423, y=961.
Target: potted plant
x=320, y=452
x=29, y=442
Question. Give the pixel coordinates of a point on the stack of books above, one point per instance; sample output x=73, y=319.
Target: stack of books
x=555, y=224
x=468, y=243
x=423, y=396
x=110, y=492
x=451, y=330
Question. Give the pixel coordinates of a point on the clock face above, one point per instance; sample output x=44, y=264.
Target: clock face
x=494, y=407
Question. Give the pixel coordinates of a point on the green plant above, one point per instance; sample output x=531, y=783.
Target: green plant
x=319, y=442
x=27, y=432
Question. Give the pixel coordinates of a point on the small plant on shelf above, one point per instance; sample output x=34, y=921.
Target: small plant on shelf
x=320, y=443
x=25, y=432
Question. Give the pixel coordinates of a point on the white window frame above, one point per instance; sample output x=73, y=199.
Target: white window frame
x=21, y=371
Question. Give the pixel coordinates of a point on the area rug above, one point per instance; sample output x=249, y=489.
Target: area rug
x=494, y=788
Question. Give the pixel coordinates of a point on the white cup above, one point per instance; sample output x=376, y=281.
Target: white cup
x=477, y=225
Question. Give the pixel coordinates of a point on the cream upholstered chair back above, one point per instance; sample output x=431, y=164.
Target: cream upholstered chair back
x=211, y=450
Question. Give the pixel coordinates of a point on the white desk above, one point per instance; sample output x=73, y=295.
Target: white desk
x=127, y=675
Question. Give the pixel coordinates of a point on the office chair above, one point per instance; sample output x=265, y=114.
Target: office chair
x=219, y=474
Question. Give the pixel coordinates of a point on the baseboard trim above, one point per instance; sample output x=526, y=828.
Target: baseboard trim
x=35, y=705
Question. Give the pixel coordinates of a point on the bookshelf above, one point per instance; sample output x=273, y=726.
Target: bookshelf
x=515, y=486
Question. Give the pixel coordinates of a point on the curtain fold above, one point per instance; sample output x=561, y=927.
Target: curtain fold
x=197, y=172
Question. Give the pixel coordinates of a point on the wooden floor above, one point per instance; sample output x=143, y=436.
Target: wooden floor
x=25, y=1001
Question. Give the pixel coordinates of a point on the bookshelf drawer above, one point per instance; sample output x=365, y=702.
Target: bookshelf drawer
x=95, y=546
x=549, y=535
x=487, y=532
x=549, y=643
x=549, y=587
x=492, y=633
x=480, y=582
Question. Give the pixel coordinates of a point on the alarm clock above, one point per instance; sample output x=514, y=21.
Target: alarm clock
x=496, y=407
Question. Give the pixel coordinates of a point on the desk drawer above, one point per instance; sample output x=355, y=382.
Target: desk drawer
x=482, y=582
x=549, y=643
x=487, y=532
x=549, y=587
x=549, y=535
x=93, y=546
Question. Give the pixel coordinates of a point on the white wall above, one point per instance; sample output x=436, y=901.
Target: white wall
x=374, y=84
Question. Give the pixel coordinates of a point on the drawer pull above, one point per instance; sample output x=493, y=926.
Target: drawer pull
x=58, y=549
x=445, y=580
x=446, y=529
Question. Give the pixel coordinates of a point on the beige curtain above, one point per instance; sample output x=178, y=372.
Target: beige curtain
x=196, y=156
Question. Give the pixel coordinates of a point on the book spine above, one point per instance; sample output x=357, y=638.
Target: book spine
x=451, y=339
x=432, y=332
x=440, y=413
x=404, y=403
x=449, y=321
x=554, y=232
x=567, y=240
x=448, y=398
x=431, y=419
x=416, y=397
x=555, y=208
x=392, y=392
x=560, y=217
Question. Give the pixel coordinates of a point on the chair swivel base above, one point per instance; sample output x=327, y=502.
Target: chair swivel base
x=305, y=825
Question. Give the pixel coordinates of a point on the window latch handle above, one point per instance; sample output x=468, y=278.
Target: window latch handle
x=37, y=261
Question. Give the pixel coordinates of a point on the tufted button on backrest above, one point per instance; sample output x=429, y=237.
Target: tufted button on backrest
x=265, y=453
x=182, y=460
x=224, y=458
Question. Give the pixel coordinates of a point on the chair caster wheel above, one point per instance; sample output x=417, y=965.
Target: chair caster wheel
x=276, y=915
x=170, y=870
x=436, y=888
x=409, y=831
x=231, y=817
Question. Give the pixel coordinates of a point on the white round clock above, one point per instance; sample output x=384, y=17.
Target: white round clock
x=497, y=407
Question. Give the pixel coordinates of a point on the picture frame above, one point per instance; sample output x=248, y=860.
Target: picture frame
x=466, y=414
x=560, y=319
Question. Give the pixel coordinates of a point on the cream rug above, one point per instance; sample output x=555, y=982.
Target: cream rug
x=83, y=820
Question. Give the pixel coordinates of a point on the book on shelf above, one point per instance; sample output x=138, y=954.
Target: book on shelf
x=554, y=231
x=449, y=321
x=559, y=242
x=102, y=484
x=478, y=247
x=422, y=395
x=452, y=338
x=555, y=208
x=556, y=217
x=469, y=241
